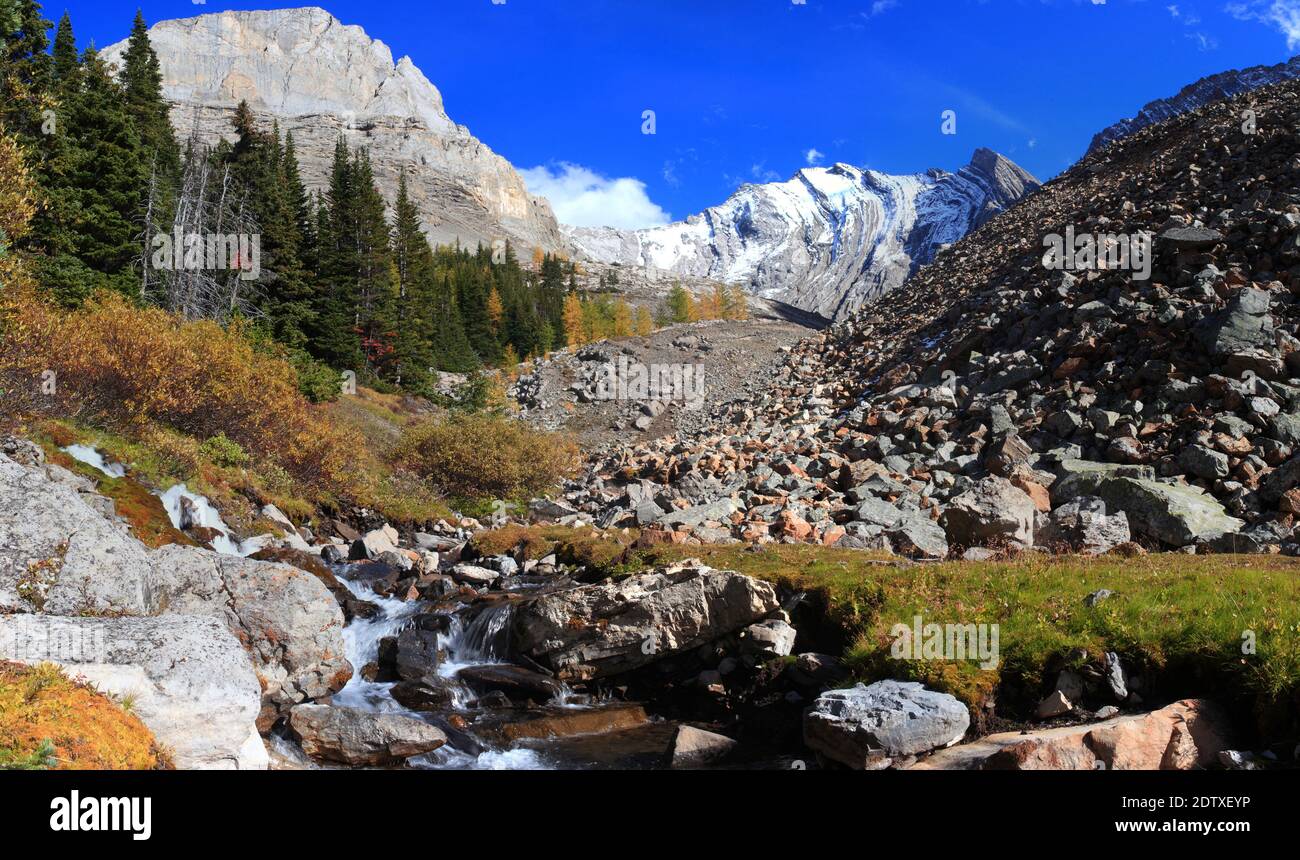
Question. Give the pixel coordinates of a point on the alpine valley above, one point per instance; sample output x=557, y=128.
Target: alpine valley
x=839, y=474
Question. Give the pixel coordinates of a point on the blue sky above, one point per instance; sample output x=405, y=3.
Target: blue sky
x=753, y=90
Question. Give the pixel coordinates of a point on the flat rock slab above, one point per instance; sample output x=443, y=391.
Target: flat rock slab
x=1186, y=735
x=564, y=722
x=361, y=738
x=61, y=556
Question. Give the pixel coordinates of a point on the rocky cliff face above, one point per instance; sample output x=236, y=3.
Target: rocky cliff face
x=1192, y=96
x=828, y=240
x=319, y=79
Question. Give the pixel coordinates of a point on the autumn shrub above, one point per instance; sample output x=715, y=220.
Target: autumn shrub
x=476, y=456
x=49, y=721
x=111, y=363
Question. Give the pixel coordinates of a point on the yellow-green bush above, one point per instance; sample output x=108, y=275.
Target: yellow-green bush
x=476, y=456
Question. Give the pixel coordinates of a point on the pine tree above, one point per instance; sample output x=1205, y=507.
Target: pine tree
x=336, y=338
x=679, y=307
x=452, y=350
x=25, y=67
x=376, y=275
x=257, y=162
x=141, y=79
x=93, y=180
x=301, y=204
x=64, y=64
x=417, y=312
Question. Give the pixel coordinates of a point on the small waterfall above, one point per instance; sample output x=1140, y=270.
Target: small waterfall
x=361, y=644
x=203, y=515
x=92, y=457
x=484, y=640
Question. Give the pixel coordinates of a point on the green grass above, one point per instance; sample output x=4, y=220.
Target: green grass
x=606, y=553
x=1180, y=615
x=1180, y=618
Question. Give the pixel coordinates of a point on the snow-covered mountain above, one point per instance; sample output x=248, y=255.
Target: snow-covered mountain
x=1192, y=96
x=829, y=239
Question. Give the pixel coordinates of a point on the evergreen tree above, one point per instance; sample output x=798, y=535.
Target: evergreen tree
x=336, y=338
x=141, y=79
x=376, y=275
x=64, y=64
x=679, y=307
x=93, y=179
x=417, y=306
x=25, y=66
x=452, y=350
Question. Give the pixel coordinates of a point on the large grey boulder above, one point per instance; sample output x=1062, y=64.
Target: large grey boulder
x=361, y=738
x=993, y=511
x=1244, y=324
x=1175, y=514
x=1077, y=478
x=717, y=511
x=189, y=679
x=1084, y=526
x=61, y=556
x=601, y=630
x=868, y=728
x=285, y=617
x=877, y=512
x=915, y=535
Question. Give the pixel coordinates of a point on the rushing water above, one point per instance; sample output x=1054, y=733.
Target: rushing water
x=206, y=516
x=92, y=457
x=482, y=641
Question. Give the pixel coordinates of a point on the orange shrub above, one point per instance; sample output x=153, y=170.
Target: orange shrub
x=118, y=365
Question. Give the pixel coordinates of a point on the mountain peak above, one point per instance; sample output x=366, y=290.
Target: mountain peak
x=1194, y=95
x=827, y=240
x=319, y=79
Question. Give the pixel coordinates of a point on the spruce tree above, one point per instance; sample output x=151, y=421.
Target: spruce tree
x=64, y=64
x=25, y=66
x=92, y=179
x=376, y=274
x=141, y=79
x=259, y=165
x=416, y=299
x=336, y=336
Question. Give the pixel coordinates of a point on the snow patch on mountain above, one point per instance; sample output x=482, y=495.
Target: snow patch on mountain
x=827, y=240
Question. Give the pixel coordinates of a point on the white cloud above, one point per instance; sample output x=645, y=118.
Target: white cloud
x=882, y=6
x=583, y=198
x=814, y=157
x=1284, y=15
